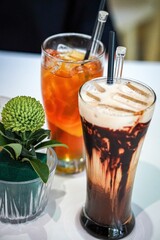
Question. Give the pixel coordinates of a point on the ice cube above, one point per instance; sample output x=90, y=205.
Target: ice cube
x=55, y=67
x=134, y=100
x=93, y=96
x=99, y=88
x=69, y=54
x=137, y=90
x=64, y=48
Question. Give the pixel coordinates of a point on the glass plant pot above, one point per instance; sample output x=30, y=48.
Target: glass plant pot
x=24, y=201
x=3, y=101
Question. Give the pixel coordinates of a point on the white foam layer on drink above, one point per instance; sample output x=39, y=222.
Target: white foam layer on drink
x=117, y=105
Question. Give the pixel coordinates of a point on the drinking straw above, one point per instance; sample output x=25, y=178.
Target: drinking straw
x=99, y=24
x=111, y=49
x=120, y=54
x=102, y=18
x=97, y=34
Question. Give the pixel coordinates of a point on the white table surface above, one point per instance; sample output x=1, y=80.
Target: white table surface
x=20, y=75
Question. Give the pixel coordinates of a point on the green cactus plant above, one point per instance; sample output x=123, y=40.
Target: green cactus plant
x=21, y=133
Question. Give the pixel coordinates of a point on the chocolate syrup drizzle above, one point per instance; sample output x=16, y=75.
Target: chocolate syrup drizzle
x=117, y=147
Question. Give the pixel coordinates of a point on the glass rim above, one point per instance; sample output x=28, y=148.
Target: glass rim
x=3, y=101
x=38, y=179
x=123, y=79
x=5, y=97
x=86, y=36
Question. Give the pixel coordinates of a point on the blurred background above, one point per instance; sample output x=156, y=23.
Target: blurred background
x=137, y=23
x=24, y=25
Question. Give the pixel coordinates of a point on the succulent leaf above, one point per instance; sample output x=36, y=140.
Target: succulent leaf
x=50, y=143
x=3, y=140
x=40, y=168
x=38, y=136
x=14, y=150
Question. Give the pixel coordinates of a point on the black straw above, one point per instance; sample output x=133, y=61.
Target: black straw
x=111, y=50
x=101, y=7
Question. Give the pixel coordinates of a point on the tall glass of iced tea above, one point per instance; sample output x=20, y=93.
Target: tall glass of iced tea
x=115, y=118
x=63, y=71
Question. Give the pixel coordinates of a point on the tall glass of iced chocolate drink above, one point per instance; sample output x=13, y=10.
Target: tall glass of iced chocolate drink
x=115, y=118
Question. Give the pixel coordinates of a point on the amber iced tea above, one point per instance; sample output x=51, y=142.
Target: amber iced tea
x=63, y=71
